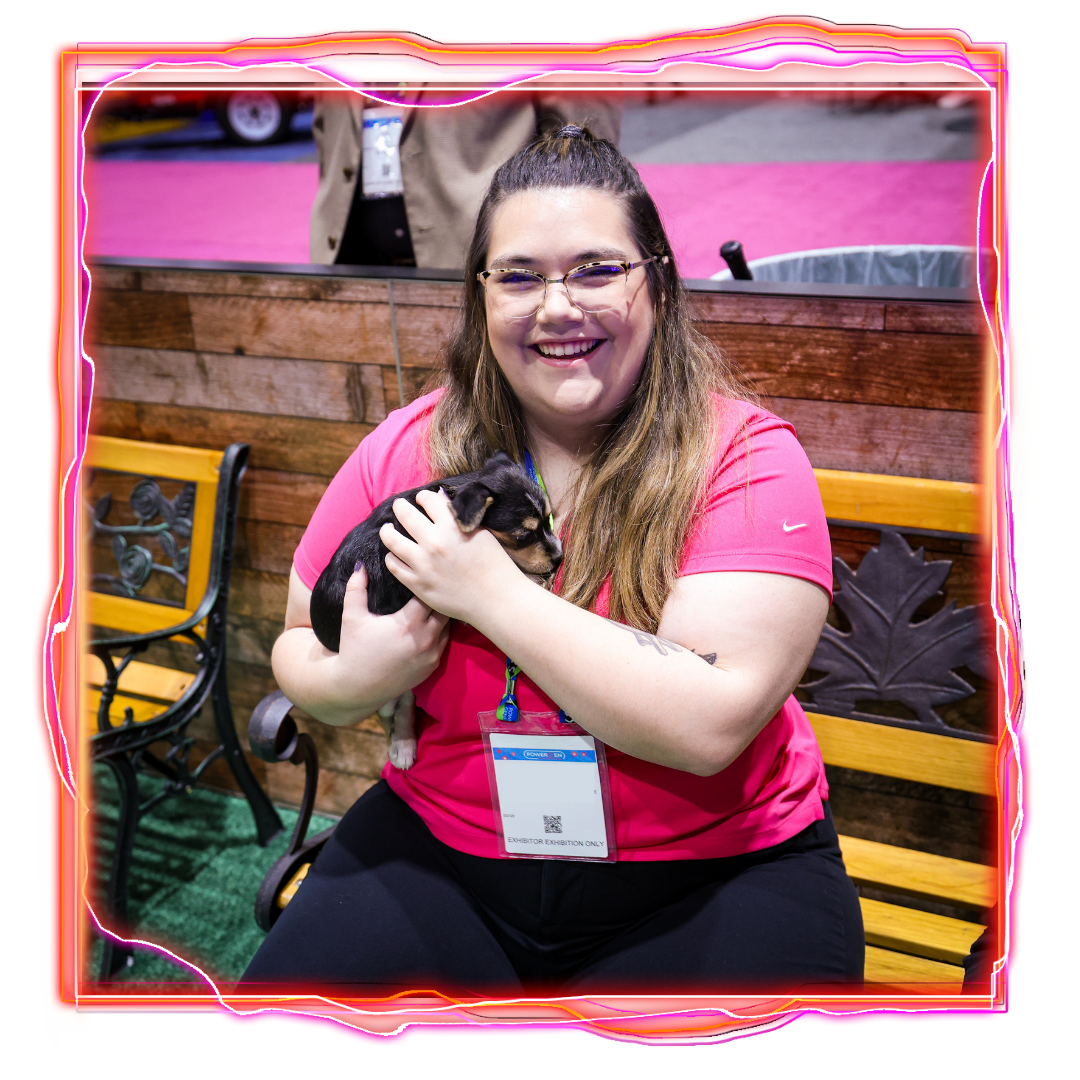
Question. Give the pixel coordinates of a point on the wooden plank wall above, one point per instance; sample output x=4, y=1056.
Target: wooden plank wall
x=302, y=368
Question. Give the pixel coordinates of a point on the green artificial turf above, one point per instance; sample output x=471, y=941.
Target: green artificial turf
x=195, y=871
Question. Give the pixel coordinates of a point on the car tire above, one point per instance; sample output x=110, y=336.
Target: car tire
x=255, y=117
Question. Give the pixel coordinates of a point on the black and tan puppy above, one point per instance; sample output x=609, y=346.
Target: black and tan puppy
x=501, y=498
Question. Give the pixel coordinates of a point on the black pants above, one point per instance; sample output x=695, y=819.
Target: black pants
x=387, y=907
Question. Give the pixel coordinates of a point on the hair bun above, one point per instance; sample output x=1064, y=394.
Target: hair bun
x=571, y=131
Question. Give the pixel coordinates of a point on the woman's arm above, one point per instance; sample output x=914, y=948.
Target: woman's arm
x=732, y=646
x=381, y=655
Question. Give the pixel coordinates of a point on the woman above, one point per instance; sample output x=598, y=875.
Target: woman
x=694, y=587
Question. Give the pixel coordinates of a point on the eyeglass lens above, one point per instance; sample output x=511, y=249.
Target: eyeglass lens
x=592, y=288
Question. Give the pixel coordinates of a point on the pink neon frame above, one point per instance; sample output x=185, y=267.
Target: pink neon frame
x=747, y=48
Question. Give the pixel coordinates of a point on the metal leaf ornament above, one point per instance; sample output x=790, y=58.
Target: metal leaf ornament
x=167, y=510
x=180, y=560
x=168, y=545
x=184, y=503
x=183, y=509
x=886, y=656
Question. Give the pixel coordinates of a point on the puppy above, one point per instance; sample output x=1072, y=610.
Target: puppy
x=501, y=498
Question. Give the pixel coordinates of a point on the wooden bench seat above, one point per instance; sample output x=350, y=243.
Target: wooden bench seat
x=933, y=947
x=146, y=689
x=900, y=972
x=918, y=933
x=916, y=873
x=908, y=948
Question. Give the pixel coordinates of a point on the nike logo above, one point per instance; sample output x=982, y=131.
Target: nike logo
x=792, y=528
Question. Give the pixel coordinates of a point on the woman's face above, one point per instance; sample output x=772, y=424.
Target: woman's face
x=602, y=353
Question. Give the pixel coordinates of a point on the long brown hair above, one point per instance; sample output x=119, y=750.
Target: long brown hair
x=635, y=500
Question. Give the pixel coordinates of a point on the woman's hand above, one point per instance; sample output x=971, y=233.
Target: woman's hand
x=381, y=656
x=404, y=646
x=458, y=574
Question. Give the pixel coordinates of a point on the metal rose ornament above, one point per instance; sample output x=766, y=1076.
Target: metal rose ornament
x=146, y=499
x=135, y=564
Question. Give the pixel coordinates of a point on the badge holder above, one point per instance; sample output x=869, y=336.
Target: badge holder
x=549, y=783
x=380, y=160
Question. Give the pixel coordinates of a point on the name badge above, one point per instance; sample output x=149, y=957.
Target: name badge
x=380, y=162
x=549, y=788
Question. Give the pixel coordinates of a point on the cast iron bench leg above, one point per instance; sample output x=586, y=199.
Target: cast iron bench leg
x=116, y=956
x=267, y=822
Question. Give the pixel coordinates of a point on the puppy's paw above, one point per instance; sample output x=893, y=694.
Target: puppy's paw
x=386, y=716
x=403, y=753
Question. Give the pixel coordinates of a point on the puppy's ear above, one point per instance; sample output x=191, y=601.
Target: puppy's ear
x=469, y=504
x=500, y=457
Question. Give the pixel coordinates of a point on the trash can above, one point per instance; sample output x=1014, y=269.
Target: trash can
x=941, y=266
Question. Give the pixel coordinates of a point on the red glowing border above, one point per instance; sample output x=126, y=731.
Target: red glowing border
x=751, y=48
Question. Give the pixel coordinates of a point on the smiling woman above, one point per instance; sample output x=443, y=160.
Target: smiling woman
x=680, y=815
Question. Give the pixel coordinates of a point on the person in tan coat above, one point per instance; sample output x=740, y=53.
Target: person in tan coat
x=448, y=157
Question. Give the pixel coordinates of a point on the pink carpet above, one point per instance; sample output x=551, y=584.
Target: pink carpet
x=243, y=211
x=258, y=212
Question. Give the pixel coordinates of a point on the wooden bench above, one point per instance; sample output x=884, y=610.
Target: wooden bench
x=158, y=578
x=908, y=949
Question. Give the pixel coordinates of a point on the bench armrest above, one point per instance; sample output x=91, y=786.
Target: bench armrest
x=274, y=737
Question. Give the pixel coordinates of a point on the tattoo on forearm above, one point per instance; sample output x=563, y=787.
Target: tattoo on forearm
x=661, y=645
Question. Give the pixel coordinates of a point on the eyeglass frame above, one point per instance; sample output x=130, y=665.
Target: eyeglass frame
x=627, y=267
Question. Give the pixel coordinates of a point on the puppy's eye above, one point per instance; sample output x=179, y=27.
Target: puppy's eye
x=524, y=537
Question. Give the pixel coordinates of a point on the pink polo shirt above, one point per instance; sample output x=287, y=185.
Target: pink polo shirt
x=763, y=513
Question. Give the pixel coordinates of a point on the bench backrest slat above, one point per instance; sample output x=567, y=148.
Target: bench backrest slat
x=900, y=501
x=941, y=760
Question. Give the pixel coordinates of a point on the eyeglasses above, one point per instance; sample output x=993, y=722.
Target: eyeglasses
x=598, y=286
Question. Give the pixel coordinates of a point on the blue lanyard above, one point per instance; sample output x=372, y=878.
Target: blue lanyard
x=539, y=481
x=507, y=710
x=508, y=706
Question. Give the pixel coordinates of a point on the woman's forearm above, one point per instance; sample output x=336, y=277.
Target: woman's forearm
x=671, y=704
x=313, y=678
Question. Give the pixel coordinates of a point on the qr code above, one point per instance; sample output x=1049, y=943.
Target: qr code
x=553, y=824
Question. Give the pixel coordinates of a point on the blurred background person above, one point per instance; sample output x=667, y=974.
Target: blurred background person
x=401, y=185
